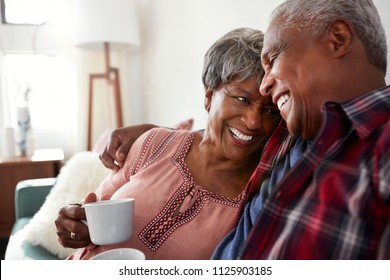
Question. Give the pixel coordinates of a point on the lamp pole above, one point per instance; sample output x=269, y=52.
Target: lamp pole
x=112, y=77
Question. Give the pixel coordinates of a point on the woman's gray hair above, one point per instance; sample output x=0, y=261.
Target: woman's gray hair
x=317, y=15
x=236, y=56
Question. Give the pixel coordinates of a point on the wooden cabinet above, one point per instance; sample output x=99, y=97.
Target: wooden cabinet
x=42, y=164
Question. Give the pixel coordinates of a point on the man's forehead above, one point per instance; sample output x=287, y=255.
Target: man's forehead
x=271, y=38
x=280, y=35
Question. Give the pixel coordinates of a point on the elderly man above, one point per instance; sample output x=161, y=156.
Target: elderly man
x=325, y=63
x=329, y=196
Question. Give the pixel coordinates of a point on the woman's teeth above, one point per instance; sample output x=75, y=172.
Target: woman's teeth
x=239, y=135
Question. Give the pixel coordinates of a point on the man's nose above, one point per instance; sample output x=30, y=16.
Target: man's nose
x=266, y=85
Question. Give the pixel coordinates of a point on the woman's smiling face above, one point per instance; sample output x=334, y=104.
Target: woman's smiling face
x=240, y=119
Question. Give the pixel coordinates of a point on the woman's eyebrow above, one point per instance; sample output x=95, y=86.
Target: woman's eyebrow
x=239, y=90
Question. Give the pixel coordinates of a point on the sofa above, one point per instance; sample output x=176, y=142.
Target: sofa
x=29, y=197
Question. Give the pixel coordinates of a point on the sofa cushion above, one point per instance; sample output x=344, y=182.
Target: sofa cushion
x=19, y=224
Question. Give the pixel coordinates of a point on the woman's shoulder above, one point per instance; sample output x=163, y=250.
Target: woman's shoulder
x=159, y=133
x=165, y=138
x=157, y=142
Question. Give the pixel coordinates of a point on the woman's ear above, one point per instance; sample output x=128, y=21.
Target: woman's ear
x=208, y=97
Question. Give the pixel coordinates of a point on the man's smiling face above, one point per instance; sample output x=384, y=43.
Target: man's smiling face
x=297, y=71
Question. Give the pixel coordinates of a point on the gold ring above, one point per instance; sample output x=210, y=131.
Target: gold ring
x=73, y=235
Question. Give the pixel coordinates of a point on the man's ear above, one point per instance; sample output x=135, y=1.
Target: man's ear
x=208, y=97
x=340, y=37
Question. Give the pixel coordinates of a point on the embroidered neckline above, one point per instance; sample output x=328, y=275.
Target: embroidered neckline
x=179, y=160
x=176, y=212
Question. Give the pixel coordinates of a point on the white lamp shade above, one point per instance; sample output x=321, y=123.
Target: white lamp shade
x=111, y=21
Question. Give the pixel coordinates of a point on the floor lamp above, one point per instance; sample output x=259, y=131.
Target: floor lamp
x=106, y=25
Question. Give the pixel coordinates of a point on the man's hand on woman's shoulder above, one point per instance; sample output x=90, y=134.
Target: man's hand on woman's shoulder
x=119, y=144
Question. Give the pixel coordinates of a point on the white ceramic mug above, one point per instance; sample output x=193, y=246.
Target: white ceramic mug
x=110, y=221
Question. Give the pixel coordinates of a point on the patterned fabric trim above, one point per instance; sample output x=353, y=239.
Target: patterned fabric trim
x=154, y=154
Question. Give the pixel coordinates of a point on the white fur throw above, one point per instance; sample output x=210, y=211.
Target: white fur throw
x=81, y=174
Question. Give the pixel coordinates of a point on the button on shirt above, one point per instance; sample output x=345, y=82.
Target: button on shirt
x=334, y=203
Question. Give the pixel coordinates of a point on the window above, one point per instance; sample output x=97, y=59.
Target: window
x=41, y=75
x=35, y=57
x=24, y=11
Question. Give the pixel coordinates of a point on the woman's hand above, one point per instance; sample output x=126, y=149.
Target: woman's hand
x=71, y=231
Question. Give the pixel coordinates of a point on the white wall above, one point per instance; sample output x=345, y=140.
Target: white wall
x=175, y=36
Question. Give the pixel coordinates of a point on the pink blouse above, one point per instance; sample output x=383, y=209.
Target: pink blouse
x=174, y=217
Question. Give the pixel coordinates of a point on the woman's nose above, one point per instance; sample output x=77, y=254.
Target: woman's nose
x=252, y=118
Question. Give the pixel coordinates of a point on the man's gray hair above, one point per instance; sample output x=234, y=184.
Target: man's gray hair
x=236, y=56
x=317, y=15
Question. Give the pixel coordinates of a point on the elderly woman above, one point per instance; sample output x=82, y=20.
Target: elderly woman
x=189, y=186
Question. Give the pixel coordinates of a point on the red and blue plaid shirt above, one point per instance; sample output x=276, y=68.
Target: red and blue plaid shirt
x=335, y=202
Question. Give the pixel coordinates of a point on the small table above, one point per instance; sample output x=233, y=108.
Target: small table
x=43, y=163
